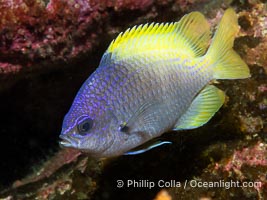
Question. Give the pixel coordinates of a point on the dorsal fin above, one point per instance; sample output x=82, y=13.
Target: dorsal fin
x=189, y=36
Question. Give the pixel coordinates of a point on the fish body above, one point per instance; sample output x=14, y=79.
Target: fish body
x=153, y=78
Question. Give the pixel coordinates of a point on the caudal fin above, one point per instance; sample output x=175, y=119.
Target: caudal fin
x=227, y=63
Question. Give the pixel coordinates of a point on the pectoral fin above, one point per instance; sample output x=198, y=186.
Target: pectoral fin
x=202, y=109
x=146, y=147
x=143, y=116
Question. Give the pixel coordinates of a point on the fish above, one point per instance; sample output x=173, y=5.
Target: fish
x=153, y=78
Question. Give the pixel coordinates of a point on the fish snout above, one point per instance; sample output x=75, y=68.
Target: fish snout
x=66, y=141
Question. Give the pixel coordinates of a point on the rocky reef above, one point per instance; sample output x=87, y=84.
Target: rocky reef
x=47, y=50
x=36, y=31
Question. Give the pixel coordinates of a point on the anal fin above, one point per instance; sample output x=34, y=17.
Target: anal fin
x=202, y=109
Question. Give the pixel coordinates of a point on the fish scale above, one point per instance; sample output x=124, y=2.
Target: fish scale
x=153, y=78
x=164, y=86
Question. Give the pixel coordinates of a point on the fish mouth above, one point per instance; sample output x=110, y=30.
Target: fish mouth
x=66, y=141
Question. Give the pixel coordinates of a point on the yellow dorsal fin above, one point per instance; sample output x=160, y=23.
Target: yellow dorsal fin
x=189, y=36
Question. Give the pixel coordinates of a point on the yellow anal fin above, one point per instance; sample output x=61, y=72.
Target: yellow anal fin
x=189, y=36
x=202, y=109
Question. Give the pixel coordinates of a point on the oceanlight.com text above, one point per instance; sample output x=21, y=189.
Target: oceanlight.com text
x=132, y=183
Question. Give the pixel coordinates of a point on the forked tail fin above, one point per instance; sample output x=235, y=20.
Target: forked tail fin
x=227, y=63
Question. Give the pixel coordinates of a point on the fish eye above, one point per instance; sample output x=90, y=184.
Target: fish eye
x=85, y=125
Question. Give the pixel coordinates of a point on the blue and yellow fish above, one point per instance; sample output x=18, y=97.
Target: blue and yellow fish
x=153, y=78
